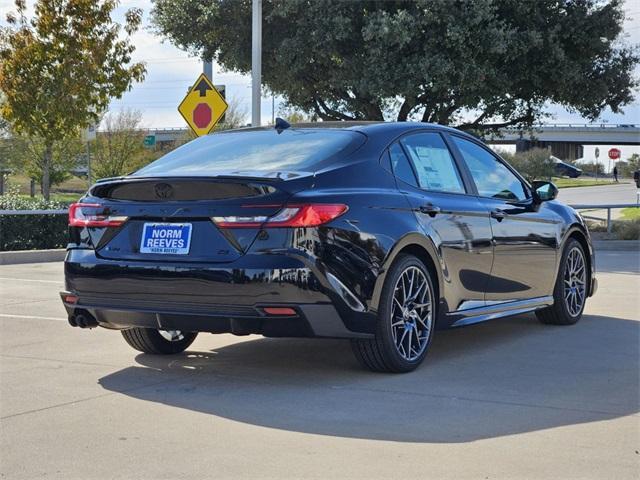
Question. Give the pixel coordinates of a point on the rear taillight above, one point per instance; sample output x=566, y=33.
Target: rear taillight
x=93, y=215
x=310, y=215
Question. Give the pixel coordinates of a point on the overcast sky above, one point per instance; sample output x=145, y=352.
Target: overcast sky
x=170, y=72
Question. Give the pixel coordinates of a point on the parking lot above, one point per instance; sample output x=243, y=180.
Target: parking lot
x=505, y=399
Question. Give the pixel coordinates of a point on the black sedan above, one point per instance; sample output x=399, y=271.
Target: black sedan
x=563, y=169
x=376, y=232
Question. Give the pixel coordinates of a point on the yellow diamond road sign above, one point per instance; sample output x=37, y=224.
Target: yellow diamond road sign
x=203, y=106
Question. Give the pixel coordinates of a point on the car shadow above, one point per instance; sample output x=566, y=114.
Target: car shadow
x=500, y=378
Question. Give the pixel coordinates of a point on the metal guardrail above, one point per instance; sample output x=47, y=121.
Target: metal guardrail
x=34, y=212
x=607, y=207
x=579, y=206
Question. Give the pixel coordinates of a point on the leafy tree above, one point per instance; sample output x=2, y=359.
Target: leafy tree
x=118, y=147
x=591, y=168
x=534, y=164
x=235, y=116
x=476, y=64
x=292, y=115
x=64, y=157
x=23, y=154
x=627, y=168
x=59, y=70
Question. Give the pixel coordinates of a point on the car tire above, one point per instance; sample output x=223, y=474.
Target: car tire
x=157, y=342
x=387, y=350
x=571, y=288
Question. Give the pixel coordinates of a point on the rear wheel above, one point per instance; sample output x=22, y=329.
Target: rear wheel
x=570, y=292
x=159, y=342
x=405, y=320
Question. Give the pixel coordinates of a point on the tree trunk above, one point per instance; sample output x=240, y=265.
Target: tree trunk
x=46, y=169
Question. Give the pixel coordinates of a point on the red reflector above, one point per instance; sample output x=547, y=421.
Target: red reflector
x=70, y=299
x=279, y=311
x=92, y=215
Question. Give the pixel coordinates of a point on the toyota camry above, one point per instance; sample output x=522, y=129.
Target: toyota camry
x=377, y=232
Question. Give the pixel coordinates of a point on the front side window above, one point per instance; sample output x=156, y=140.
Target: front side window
x=492, y=178
x=433, y=163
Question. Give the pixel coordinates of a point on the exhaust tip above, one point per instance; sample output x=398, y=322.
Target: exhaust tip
x=83, y=319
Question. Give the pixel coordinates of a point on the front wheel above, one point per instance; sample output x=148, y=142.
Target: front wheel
x=406, y=319
x=158, y=342
x=570, y=292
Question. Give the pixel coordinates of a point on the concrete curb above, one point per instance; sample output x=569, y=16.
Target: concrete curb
x=617, y=245
x=32, y=256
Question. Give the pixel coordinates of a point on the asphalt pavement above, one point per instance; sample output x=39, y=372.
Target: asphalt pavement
x=600, y=195
x=614, y=193
x=506, y=399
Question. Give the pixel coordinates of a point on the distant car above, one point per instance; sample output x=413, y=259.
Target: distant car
x=377, y=233
x=564, y=169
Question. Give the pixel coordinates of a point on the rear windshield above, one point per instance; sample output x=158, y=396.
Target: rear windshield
x=260, y=151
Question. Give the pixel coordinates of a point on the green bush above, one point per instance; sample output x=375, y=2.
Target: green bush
x=31, y=232
x=620, y=229
x=534, y=164
x=627, y=229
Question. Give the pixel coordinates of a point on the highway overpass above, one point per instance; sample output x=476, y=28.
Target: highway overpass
x=585, y=134
x=566, y=141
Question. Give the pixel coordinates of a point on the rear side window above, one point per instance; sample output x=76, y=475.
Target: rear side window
x=262, y=151
x=433, y=162
x=400, y=165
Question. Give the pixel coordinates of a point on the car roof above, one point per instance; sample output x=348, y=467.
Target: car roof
x=369, y=128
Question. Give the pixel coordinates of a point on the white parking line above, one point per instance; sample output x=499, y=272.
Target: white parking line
x=57, y=282
x=11, y=315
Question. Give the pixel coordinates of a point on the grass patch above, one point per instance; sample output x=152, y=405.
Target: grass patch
x=578, y=182
x=65, y=198
x=67, y=192
x=73, y=184
x=632, y=213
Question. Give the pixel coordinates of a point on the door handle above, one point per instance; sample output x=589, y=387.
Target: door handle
x=430, y=209
x=498, y=214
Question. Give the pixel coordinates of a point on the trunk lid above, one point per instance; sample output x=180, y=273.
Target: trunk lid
x=183, y=206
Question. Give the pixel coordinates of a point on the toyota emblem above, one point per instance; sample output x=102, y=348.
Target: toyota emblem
x=164, y=190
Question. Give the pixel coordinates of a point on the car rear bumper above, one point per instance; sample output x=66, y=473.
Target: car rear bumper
x=224, y=298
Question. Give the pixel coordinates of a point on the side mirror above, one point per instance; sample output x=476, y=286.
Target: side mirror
x=544, y=191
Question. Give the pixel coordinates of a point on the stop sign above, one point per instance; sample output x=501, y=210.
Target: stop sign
x=614, y=154
x=202, y=115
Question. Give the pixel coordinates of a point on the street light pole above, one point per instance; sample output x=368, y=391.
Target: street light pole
x=256, y=61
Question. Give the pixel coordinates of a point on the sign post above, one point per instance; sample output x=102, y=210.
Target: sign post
x=597, y=155
x=203, y=106
x=256, y=61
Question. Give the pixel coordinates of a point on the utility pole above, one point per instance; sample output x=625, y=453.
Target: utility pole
x=256, y=61
x=207, y=69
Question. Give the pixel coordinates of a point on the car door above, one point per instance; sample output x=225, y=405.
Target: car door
x=456, y=222
x=525, y=233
